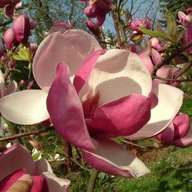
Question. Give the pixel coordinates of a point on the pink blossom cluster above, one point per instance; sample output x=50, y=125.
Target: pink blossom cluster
x=186, y=21
x=19, y=32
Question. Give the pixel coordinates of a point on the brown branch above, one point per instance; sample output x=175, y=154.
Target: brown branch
x=37, y=132
x=174, y=80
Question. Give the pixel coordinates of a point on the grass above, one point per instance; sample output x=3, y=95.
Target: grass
x=171, y=171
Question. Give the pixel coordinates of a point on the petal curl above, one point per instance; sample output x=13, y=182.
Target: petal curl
x=71, y=47
x=25, y=107
x=112, y=159
x=121, y=117
x=117, y=73
x=170, y=101
x=84, y=72
x=66, y=110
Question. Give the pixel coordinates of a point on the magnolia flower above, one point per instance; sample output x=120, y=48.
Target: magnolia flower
x=165, y=72
x=134, y=25
x=184, y=19
x=43, y=177
x=178, y=133
x=95, y=95
x=9, y=38
x=21, y=28
x=98, y=9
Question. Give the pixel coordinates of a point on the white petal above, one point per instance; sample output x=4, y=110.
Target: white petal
x=56, y=184
x=25, y=107
x=118, y=73
x=170, y=101
x=42, y=165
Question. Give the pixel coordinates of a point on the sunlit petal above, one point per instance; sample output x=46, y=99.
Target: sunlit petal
x=25, y=107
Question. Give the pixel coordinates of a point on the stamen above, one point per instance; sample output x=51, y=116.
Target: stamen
x=90, y=105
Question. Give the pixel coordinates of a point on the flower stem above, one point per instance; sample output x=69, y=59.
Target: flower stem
x=92, y=180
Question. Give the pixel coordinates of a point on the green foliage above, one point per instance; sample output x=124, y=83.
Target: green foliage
x=173, y=6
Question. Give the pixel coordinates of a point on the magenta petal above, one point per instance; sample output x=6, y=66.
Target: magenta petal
x=112, y=159
x=83, y=73
x=121, y=117
x=39, y=184
x=66, y=111
x=9, y=180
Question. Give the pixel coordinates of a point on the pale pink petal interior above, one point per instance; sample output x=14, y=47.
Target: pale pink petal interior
x=71, y=47
x=170, y=101
x=118, y=73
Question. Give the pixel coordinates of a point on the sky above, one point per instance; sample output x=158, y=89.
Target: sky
x=140, y=9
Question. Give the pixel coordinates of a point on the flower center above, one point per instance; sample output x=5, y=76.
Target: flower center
x=90, y=105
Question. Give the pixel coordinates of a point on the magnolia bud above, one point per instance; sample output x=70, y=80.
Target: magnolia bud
x=94, y=28
x=9, y=39
x=21, y=28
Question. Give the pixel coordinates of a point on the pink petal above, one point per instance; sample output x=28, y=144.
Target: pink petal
x=41, y=166
x=71, y=47
x=185, y=141
x=182, y=125
x=25, y=107
x=39, y=184
x=56, y=184
x=170, y=100
x=117, y=73
x=66, y=111
x=166, y=135
x=10, y=179
x=84, y=72
x=22, y=160
x=112, y=159
x=121, y=117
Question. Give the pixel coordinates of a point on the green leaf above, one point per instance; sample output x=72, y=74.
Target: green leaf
x=162, y=35
x=171, y=24
x=23, y=55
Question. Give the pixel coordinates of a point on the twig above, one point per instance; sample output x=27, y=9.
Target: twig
x=37, y=132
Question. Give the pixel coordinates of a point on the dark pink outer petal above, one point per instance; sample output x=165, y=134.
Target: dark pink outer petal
x=10, y=179
x=121, y=117
x=66, y=111
x=112, y=159
x=21, y=157
x=39, y=184
x=83, y=73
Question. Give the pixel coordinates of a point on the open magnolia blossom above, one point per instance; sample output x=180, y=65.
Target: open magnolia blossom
x=43, y=177
x=95, y=95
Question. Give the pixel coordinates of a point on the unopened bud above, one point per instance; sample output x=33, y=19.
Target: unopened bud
x=94, y=28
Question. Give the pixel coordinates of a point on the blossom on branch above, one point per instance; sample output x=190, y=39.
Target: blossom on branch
x=95, y=95
x=97, y=9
